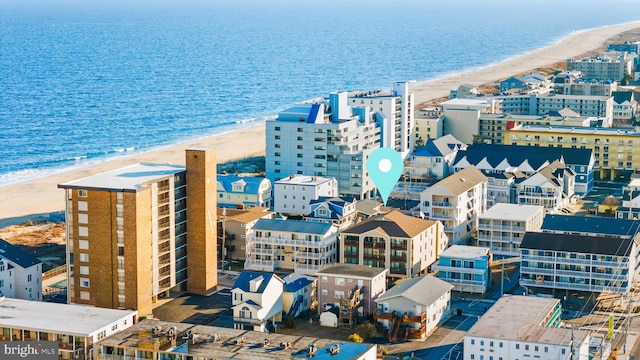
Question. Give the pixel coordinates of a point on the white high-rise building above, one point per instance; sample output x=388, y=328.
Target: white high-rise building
x=393, y=112
x=323, y=139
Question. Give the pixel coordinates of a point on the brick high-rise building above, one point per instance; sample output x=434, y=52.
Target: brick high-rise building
x=127, y=239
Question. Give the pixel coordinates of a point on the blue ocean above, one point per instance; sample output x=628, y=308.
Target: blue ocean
x=84, y=81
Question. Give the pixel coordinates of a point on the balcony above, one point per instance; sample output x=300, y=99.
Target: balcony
x=260, y=265
x=351, y=242
x=316, y=256
x=416, y=333
x=441, y=204
x=381, y=315
x=399, y=258
x=421, y=319
x=374, y=244
x=373, y=257
x=307, y=267
x=398, y=271
x=459, y=270
x=440, y=216
x=399, y=245
x=262, y=251
x=272, y=240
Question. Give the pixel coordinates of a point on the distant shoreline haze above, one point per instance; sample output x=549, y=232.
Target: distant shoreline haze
x=86, y=83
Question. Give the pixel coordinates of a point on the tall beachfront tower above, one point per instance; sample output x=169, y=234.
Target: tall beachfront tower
x=393, y=112
x=127, y=239
x=323, y=138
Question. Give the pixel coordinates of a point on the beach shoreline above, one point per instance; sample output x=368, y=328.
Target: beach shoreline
x=22, y=200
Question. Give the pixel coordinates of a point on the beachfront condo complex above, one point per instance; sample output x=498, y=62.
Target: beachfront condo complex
x=127, y=238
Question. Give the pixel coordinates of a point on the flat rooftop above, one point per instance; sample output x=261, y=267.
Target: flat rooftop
x=577, y=130
x=77, y=320
x=303, y=180
x=464, y=252
x=507, y=320
x=129, y=178
x=511, y=211
x=223, y=343
x=351, y=270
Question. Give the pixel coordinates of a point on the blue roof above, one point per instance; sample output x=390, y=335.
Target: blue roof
x=516, y=154
x=242, y=282
x=592, y=225
x=294, y=226
x=297, y=284
x=15, y=255
x=252, y=183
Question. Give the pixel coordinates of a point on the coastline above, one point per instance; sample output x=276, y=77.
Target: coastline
x=20, y=201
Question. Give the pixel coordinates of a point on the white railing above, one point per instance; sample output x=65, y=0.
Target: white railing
x=273, y=240
x=460, y=270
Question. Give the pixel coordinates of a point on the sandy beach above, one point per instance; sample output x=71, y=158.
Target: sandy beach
x=41, y=196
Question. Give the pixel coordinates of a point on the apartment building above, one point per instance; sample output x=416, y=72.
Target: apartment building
x=337, y=280
x=326, y=139
x=243, y=192
x=293, y=194
x=467, y=268
x=615, y=150
x=75, y=328
x=156, y=339
x=582, y=86
x=413, y=308
x=434, y=159
x=127, y=239
x=502, y=227
x=429, y=125
x=516, y=158
x=405, y=245
x=627, y=46
x=456, y=201
x=552, y=187
x=234, y=227
x=578, y=262
x=538, y=104
x=462, y=116
x=630, y=206
x=299, y=295
x=392, y=111
x=625, y=106
x=590, y=226
x=301, y=246
x=507, y=332
x=611, y=65
x=20, y=273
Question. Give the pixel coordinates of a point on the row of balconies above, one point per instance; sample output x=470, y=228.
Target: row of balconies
x=573, y=286
x=573, y=273
x=585, y=262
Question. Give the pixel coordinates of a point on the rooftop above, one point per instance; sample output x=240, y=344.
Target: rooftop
x=506, y=320
x=516, y=155
x=351, y=270
x=304, y=180
x=394, y=224
x=422, y=290
x=223, y=343
x=463, y=180
x=252, y=184
x=244, y=215
x=292, y=226
x=577, y=130
x=464, y=252
x=15, y=255
x=511, y=211
x=130, y=178
x=597, y=245
x=243, y=281
x=71, y=319
x=591, y=225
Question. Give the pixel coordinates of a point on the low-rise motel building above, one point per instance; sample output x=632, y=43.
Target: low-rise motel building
x=506, y=332
x=153, y=339
x=616, y=150
x=76, y=328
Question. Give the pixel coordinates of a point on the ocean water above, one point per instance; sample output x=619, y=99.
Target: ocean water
x=84, y=81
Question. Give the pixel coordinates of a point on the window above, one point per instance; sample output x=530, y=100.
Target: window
x=339, y=281
x=546, y=349
x=82, y=206
x=84, y=270
x=83, y=231
x=324, y=279
x=526, y=347
x=481, y=342
x=338, y=294
x=325, y=292
x=473, y=356
x=83, y=218
x=500, y=344
x=84, y=283
x=517, y=346
x=84, y=257
x=473, y=341
x=29, y=278
x=1, y=283
x=563, y=351
x=84, y=295
x=82, y=193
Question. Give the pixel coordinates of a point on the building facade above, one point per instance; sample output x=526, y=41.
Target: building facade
x=467, y=268
x=20, y=273
x=502, y=227
x=127, y=239
x=337, y=280
x=603, y=66
x=66, y=324
x=235, y=226
x=456, y=201
x=293, y=194
x=578, y=262
x=413, y=308
x=243, y=192
x=615, y=151
x=506, y=332
x=553, y=187
x=302, y=246
x=325, y=139
x=405, y=245
x=537, y=104
x=256, y=300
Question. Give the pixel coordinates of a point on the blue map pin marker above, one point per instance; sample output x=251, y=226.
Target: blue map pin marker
x=385, y=166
